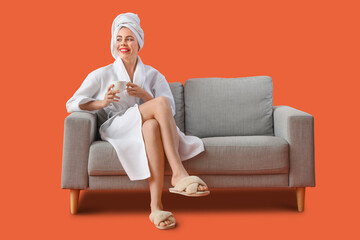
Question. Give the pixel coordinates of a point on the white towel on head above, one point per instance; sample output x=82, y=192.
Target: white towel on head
x=131, y=21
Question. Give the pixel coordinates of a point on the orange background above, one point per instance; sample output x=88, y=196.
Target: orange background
x=309, y=48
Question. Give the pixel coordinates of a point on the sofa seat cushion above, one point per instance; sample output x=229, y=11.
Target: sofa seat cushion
x=103, y=160
x=222, y=155
x=241, y=155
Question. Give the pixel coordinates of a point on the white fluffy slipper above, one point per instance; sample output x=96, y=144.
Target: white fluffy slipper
x=157, y=217
x=191, y=184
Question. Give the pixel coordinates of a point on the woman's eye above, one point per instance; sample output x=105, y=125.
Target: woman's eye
x=119, y=40
x=129, y=39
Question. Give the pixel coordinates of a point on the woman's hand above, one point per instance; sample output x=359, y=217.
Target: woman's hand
x=136, y=91
x=110, y=96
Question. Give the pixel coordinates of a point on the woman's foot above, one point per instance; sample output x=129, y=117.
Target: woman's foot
x=159, y=207
x=176, y=178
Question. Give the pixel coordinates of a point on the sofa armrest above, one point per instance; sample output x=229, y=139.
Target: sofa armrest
x=79, y=132
x=297, y=128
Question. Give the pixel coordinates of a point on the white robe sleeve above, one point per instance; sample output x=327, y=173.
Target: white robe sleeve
x=86, y=93
x=162, y=88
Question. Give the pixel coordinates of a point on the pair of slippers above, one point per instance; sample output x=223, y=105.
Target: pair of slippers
x=187, y=186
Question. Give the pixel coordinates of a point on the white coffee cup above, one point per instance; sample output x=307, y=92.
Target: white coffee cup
x=119, y=85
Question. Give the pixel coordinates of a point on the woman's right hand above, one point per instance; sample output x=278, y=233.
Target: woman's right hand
x=110, y=96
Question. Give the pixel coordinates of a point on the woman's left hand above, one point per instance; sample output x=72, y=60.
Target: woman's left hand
x=136, y=91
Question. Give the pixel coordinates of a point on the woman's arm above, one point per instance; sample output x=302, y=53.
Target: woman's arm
x=93, y=105
x=86, y=93
x=110, y=97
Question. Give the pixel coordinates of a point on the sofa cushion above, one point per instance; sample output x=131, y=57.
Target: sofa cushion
x=222, y=155
x=228, y=106
x=241, y=155
x=177, y=90
x=103, y=160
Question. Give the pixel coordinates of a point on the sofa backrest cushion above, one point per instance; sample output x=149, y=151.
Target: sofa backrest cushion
x=177, y=90
x=228, y=106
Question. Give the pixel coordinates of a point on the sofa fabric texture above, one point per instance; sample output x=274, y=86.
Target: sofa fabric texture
x=252, y=154
x=213, y=181
x=297, y=128
x=79, y=133
x=216, y=107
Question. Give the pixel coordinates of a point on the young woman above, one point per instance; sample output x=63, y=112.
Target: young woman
x=140, y=124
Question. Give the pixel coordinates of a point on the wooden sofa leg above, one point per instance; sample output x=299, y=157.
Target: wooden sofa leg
x=74, y=200
x=300, y=197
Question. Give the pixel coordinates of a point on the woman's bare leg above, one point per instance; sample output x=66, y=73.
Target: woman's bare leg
x=159, y=109
x=155, y=154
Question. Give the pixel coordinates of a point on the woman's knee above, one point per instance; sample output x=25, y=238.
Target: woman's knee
x=163, y=103
x=151, y=128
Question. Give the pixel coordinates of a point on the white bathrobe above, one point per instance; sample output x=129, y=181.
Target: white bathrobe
x=123, y=129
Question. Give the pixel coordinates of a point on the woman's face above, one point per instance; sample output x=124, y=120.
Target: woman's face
x=127, y=46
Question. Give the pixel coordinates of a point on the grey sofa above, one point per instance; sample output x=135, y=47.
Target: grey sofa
x=248, y=142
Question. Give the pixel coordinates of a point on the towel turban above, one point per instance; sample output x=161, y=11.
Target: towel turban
x=131, y=21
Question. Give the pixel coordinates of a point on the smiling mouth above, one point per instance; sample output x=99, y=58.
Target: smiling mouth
x=124, y=50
